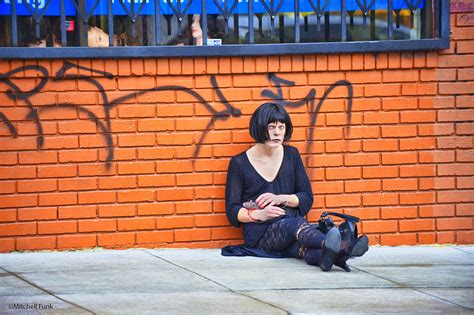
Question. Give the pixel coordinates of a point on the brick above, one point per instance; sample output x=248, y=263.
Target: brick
x=382, y=90
x=117, y=210
x=192, y=179
x=225, y=233
x=116, y=239
x=380, y=199
x=151, y=97
x=78, y=98
x=329, y=187
x=464, y=129
x=174, y=194
x=77, y=127
x=456, y=88
x=7, y=245
x=57, y=227
x=419, y=89
x=454, y=142
x=380, y=226
x=136, y=83
x=8, y=215
x=101, y=225
x=136, y=195
x=436, y=183
x=78, y=212
x=417, y=171
x=398, y=103
x=380, y=145
x=161, y=208
x=417, y=116
x=417, y=198
x=361, y=186
x=174, y=166
x=445, y=237
x=194, y=207
x=95, y=141
x=343, y=173
x=456, y=61
x=156, y=153
x=136, y=168
x=137, y=111
x=399, y=184
x=94, y=197
x=39, y=157
x=417, y=144
x=464, y=155
x=435, y=129
x=95, y=170
x=17, y=172
x=348, y=200
x=436, y=211
x=211, y=220
x=464, y=47
x=436, y=156
x=464, y=182
x=211, y=165
x=398, y=239
x=18, y=201
x=181, y=110
x=7, y=187
x=36, y=243
x=398, y=212
x=400, y=76
x=76, y=241
x=209, y=192
x=174, y=222
x=157, y=180
x=359, y=159
x=117, y=182
x=175, y=139
x=455, y=196
x=8, y=158
x=12, y=229
x=465, y=237
x=37, y=185
x=465, y=115
x=192, y=235
x=454, y=224
x=380, y=172
x=137, y=140
x=325, y=160
x=465, y=210
x=381, y=118
x=155, y=237
x=399, y=131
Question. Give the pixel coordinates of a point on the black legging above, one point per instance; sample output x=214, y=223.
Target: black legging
x=288, y=235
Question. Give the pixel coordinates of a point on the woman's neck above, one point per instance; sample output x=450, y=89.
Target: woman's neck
x=262, y=149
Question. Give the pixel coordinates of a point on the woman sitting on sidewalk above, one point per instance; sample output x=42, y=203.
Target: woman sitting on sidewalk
x=268, y=191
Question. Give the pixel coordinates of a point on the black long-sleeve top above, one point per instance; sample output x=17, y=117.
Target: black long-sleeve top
x=244, y=183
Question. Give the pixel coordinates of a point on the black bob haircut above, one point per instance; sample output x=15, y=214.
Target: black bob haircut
x=265, y=114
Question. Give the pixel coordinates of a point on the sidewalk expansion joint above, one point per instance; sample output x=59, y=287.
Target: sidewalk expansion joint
x=403, y=286
x=462, y=250
x=217, y=283
x=14, y=274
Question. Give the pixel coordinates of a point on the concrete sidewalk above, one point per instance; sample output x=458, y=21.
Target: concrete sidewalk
x=386, y=280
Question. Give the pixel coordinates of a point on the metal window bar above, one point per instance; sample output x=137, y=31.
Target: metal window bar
x=272, y=11
x=110, y=22
x=14, y=24
x=178, y=12
x=412, y=5
x=36, y=14
x=132, y=13
x=297, y=21
x=225, y=12
x=343, y=21
x=390, y=19
x=84, y=16
x=204, y=22
x=157, y=36
x=365, y=7
x=63, y=23
x=319, y=11
x=250, y=17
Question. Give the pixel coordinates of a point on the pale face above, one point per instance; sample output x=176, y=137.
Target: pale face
x=196, y=27
x=276, y=133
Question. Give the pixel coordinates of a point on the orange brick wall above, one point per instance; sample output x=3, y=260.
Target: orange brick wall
x=405, y=165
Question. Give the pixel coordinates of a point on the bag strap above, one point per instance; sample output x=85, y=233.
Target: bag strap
x=340, y=215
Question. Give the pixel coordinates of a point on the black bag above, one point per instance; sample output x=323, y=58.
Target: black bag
x=348, y=229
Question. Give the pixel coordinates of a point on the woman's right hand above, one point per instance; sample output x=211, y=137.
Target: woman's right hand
x=269, y=212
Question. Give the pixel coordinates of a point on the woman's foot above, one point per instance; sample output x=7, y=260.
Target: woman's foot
x=331, y=247
x=357, y=249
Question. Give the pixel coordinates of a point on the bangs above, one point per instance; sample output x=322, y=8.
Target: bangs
x=266, y=114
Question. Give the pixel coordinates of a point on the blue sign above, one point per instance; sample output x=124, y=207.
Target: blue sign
x=191, y=6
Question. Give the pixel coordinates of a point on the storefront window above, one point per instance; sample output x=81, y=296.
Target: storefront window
x=164, y=23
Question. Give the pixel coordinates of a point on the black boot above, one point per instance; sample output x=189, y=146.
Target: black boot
x=348, y=250
x=331, y=247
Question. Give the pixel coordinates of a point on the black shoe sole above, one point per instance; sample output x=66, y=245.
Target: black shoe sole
x=360, y=247
x=332, y=245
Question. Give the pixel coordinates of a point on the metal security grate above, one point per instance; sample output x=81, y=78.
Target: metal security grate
x=158, y=28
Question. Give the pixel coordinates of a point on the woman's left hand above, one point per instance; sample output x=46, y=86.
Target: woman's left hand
x=265, y=199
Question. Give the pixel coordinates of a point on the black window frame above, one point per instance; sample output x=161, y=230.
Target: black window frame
x=440, y=41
